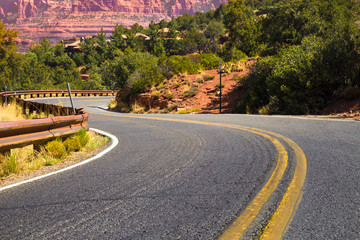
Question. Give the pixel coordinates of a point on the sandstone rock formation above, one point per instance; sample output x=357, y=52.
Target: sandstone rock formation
x=60, y=19
x=182, y=6
x=26, y=9
x=134, y=6
x=2, y=13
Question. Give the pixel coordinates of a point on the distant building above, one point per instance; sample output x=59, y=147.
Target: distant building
x=142, y=36
x=72, y=45
x=165, y=32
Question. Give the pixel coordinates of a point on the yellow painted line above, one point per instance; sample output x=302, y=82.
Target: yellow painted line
x=68, y=101
x=279, y=222
x=283, y=215
x=241, y=224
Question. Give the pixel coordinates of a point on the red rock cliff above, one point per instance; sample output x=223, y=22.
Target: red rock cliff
x=60, y=19
x=182, y=6
x=26, y=9
x=134, y=6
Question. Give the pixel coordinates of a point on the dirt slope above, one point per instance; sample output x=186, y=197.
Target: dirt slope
x=199, y=93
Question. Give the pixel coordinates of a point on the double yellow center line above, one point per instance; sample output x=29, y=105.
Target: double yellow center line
x=282, y=217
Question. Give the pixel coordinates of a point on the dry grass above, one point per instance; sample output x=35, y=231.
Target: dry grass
x=189, y=111
x=113, y=104
x=11, y=112
x=14, y=112
x=25, y=159
x=137, y=108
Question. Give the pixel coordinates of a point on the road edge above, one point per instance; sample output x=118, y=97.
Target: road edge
x=114, y=143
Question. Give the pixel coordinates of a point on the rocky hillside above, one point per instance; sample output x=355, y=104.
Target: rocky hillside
x=58, y=19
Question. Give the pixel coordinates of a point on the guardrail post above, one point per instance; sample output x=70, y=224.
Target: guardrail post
x=5, y=95
x=71, y=100
x=6, y=152
x=24, y=107
x=37, y=147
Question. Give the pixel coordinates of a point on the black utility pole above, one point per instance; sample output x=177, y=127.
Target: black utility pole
x=220, y=71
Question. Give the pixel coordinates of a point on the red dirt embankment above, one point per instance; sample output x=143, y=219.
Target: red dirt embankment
x=200, y=92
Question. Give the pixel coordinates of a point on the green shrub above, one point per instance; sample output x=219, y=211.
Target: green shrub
x=189, y=111
x=232, y=67
x=169, y=96
x=156, y=94
x=232, y=54
x=172, y=107
x=83, y=136
x=11, y=165
x=192, y=92
x=209, y=60
x=72, y=144
x=349, y=93
x=208, y=77
x=57, y=149
x=182, y=64
x=176, y=84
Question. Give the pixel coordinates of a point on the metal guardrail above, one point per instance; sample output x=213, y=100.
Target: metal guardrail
x=58, y=93
x=38, y=131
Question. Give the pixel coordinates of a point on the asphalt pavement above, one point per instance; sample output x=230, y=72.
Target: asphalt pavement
x=183, y=180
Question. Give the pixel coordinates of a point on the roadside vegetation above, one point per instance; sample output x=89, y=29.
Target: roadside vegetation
x=307, y=54
x=14, y=112
x=27, y=159
x=11, y=112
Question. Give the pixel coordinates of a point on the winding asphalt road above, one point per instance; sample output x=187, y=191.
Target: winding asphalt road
x=191, y=179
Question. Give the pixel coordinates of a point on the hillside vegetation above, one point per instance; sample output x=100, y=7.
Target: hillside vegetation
x=307, y=53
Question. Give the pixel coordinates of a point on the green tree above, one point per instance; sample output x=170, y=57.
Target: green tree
x=243, y=30
x=214, y=30
x=7, y=43
x=132, y=72
x=117, y=38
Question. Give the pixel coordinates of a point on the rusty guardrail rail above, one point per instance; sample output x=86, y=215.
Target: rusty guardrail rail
x=59, y=93
x=38, y=131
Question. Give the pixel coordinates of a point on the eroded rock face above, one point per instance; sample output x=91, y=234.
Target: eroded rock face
x=2, y=13
x=181, y=7
x=26, y=9
x=60, y=19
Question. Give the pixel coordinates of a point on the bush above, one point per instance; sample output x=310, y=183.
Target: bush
x=72, y=144
x=57, y=149
x=232, y=54
x=10, y=165
x=83, y=136
x=208, y=77
x=192, y=92
x=169, y=96
x=189, y=111
x=207, y=61
x=156, y=94
x=295, y=81
x=182, y=64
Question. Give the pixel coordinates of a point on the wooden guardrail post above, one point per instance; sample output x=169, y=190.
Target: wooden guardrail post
x=5, y=152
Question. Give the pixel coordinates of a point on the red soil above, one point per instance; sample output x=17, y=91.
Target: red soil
x=207, y=98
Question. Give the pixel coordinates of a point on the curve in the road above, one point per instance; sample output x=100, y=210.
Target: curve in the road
x=281, y=219
x=114, y=143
